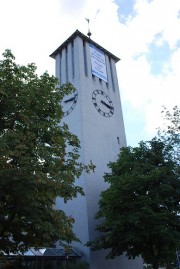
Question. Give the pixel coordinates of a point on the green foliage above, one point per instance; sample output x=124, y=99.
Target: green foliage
x=170, y=134
x=38, y=159
x=140, y=210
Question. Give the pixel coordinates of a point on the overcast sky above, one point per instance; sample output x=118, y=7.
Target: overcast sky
x=144, y=34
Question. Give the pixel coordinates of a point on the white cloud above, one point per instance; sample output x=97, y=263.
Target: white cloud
x=35, y=28
x=146, y=92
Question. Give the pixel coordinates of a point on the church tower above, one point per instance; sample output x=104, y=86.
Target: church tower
x=93, y=112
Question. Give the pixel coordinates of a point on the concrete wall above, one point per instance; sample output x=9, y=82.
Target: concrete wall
x=101, y=138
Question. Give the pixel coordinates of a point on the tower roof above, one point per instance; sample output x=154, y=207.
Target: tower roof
x=84, y=37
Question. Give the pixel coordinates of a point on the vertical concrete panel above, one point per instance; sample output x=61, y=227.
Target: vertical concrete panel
x=58, y=66
x=69, y=62
x=63, y=66
x=108, y=73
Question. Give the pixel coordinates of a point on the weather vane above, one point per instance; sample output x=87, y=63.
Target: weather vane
x=89, y=33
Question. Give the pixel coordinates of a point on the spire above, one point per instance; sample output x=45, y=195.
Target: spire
x=89, y=33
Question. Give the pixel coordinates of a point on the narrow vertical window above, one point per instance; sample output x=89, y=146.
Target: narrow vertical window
x=112, y=77
x=66, y=64
x=72, y=59
x=85, y=58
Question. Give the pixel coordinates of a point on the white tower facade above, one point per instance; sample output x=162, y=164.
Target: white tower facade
x=94, y=114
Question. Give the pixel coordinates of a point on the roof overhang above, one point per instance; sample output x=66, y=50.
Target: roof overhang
x=46, y=252
x=86, y=38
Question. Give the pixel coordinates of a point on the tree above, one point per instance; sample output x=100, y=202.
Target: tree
x=170, y=134
x=140, y=209
x=38, y=159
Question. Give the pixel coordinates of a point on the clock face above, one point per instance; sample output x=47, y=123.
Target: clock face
x=69, y=103
x=102, y=103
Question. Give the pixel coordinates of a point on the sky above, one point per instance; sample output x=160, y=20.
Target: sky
x=144, y=34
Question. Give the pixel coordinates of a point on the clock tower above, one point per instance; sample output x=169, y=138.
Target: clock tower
x=93, y=112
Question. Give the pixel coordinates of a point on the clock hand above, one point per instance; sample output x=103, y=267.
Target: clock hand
x=104, y=103
x=69, y=100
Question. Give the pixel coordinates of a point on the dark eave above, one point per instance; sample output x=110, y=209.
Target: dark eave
x=86, y=38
